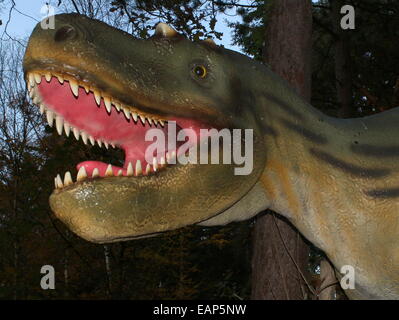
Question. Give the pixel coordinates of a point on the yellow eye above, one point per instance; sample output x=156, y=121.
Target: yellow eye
x=200, y=71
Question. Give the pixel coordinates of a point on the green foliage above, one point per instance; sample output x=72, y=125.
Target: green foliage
x=373, y=51
x=373, y=48
x=250, y=33
x=190, y=18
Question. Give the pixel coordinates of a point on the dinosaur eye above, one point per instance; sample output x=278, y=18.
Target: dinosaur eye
x=200, y=71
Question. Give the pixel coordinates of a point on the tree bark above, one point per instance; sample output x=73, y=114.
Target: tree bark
x=108, y=270
x=280, y=256
x=327, y=281
x=343, y=74
x=66, y=272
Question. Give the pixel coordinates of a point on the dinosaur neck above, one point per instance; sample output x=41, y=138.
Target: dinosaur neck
x=329, y=176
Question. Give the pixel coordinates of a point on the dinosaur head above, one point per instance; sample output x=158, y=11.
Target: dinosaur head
x=104, y=86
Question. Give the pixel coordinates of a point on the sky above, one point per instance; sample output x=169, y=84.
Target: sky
x=28, y=12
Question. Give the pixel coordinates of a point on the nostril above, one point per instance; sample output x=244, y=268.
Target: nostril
x=65, y=33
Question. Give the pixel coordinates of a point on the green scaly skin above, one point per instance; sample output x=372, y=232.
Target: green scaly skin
x=336, y=180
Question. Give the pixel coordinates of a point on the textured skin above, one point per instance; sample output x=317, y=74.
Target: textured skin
x=335, y=180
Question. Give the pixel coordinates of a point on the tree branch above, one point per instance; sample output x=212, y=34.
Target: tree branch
x=292, y=259
x=221, y=3
x=75, y=5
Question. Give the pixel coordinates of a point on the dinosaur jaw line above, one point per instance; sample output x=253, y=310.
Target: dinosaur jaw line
x=79, y=108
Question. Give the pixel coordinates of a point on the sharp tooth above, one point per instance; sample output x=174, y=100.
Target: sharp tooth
x=84, y=137
x=48, y=77
x=55, y=183
x=149, y=121
x=100, y=144
x=106, y=144
x=96, y=173
x=107, y=102
x=42, y=109
x=92, y=140
x=155, y=164
x=147, y=169
x=60, y=185
x=113, y=146
x=138, y=168
x=50, y=117
x=109, y=172
x=134, y=116
x=117, y=106
x=162, y=123
x=60, y=79
x=38, y=78
x=120, y=173
x=127, y=113
x=142, y=119
x=74, y=87
x=67, y=129
x=155, y=122
x=82, y=175
x=87, y=89
x=129, y=172
x=32, y=81
x=32, y=93
x=68, y=179
x=97, y=97
x=76, y=133
x=59, y=124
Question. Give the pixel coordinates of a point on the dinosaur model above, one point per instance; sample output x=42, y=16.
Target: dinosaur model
x=336, y=180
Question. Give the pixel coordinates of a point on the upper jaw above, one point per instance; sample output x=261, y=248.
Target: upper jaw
x=129, y=108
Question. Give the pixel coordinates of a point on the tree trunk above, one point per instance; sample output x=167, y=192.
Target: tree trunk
x=66, y=272
x=107, y=260
x=343, y=74
x=16, y=245
x=327, y=281
x=280, y=256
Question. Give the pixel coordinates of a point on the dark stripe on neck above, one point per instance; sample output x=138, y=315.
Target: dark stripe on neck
x=350, y=168
x=285, y=106
x=267, y=130
x=304, y=132
x=376, y=151
x=383, y=193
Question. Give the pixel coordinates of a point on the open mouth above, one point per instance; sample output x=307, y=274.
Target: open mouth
x=78, y=108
